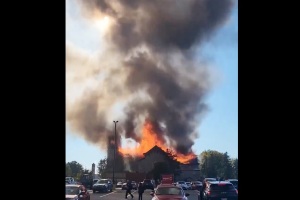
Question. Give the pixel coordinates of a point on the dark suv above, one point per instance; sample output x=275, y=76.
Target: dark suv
x=147, y=183
x=219, y=190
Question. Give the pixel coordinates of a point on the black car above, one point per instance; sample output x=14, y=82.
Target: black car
x=103, y=185
x=234, y=182
x=147, y=183
x=219, y=190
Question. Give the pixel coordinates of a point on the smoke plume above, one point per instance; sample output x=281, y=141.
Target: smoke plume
x=147, y=71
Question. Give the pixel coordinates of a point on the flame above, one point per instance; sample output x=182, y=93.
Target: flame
x=148, y=140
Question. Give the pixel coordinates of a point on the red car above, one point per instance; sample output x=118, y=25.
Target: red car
x=169, y=192
x=77, y=192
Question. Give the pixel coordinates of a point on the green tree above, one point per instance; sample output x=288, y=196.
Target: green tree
x=102, y=166
x=68, y=170
x=234, y=163
x=76, y=169
x=226, y=170
x=215, y=164
x=86, y=171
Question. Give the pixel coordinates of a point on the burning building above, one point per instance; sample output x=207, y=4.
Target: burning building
x=148, y=75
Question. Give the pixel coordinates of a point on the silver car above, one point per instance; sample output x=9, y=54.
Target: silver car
x=182, y=184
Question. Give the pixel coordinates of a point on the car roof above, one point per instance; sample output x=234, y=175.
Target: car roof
x=232, y=180
x=219, y=182
x=168, y=185
x=73, y=185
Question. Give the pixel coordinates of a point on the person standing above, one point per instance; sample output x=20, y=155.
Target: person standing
x=128, y=189
x=202, y=189
x=141, y=190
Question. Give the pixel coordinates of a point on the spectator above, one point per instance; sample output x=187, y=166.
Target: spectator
x=141, y=190
x=128, y=189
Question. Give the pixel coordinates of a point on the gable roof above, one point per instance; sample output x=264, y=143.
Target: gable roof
x=155, y=149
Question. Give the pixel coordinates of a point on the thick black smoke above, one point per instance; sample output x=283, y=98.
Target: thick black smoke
x=175, y=90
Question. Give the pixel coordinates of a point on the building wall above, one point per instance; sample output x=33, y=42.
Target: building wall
x=189, y=173
x=147, y=164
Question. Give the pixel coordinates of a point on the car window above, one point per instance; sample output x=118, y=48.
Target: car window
x=221, y=187
x=168, y=191
x=234, y=182
x=72, y=190
x=102, y=181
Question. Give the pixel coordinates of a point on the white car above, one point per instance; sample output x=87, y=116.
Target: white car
x=182, y=184
x=77, y=192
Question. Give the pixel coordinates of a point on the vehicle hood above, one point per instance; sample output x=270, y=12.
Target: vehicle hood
x=71, y=195
x=100, y=184
x=169, y=197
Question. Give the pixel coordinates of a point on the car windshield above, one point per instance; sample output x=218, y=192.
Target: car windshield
x=102, y=181
x=197, y=182
x=234, y=182
x=168, y=191
x=221, y=187
x=72, y=190
x=211, y=179
x=181, y=182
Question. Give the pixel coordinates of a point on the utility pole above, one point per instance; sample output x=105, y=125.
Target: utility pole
x=115, y=151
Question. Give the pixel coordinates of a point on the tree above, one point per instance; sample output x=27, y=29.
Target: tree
x=102, y=165
x=68, y=170
x=234, y=163
x=86, y=171
x=215, y=164
x=76, y=169
x=226, y=171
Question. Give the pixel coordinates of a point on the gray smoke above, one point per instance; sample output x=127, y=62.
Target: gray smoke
x=156, y=77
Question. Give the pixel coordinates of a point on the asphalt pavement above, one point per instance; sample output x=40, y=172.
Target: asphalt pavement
x=118, y=194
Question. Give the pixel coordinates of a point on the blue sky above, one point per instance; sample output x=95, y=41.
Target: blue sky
x=218, y=129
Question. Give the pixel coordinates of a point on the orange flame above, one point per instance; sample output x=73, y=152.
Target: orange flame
x=148, y=141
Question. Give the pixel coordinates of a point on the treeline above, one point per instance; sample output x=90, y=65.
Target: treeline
x=75, y=170
x=216, y=164
x=211, y=163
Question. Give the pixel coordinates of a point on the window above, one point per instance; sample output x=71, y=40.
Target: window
x=169, y=191
x=221, y=187
x=72, y=190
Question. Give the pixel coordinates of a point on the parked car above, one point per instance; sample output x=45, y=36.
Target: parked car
x=148, y=184
x=95, y=180
x=76, y=192
x=103, y=185
x=134, y=185
x=196, y=185
x=220, y=190
x=169, y=192
x=119, y=185
x=70, y=180
x=234, y=182
x=124, y=186
x=210, y=179
x=182, y=184
x=189, y=185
